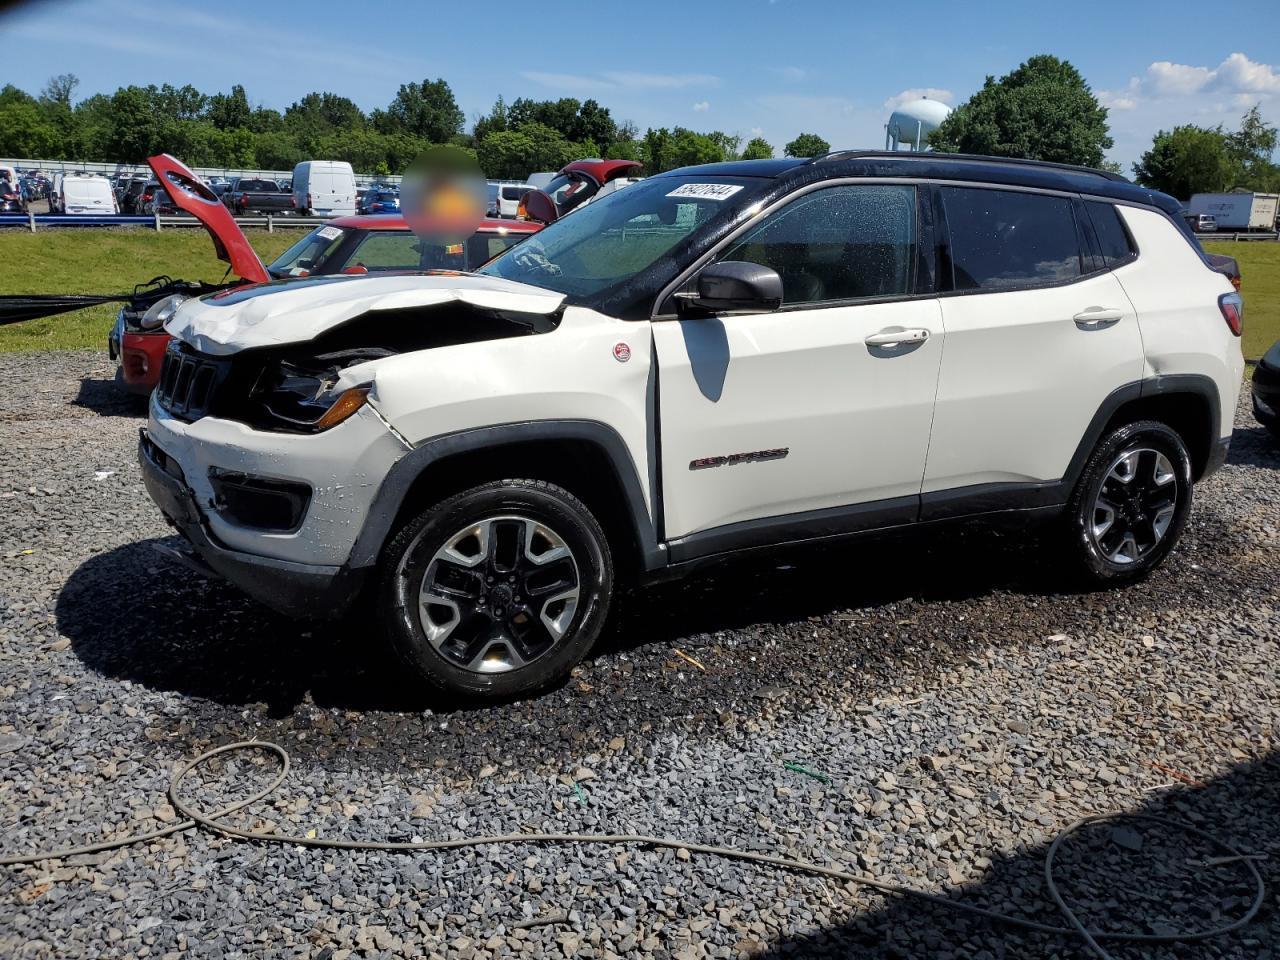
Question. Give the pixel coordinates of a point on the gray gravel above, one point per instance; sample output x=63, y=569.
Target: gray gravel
x=954, y=710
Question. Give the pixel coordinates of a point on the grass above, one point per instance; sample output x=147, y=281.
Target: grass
x=112, y=261
x=89, y=260
x=1260, y=284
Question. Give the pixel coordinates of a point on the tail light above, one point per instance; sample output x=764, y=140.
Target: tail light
x=308, y=201
x=1232, y=307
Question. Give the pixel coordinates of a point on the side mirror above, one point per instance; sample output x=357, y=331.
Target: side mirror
x=539, y=206
x=734, y=286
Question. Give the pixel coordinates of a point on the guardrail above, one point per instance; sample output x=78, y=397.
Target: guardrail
x=1242, y=235
x=39, y=221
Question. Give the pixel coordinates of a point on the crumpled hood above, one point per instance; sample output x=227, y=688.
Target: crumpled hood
x=295, y=311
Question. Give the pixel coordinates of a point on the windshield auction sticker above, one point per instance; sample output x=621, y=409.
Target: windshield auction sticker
x=706, y=191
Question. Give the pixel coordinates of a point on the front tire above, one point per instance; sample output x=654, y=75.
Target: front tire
x=499, y=590
x=1131, y=503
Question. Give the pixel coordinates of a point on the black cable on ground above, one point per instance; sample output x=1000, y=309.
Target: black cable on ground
x=1091, y=938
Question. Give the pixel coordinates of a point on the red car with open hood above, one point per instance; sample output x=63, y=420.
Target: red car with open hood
x=369, y=244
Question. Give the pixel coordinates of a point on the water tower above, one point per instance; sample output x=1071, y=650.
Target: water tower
x=912, y=122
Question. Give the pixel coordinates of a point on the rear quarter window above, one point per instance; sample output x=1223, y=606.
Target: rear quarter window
x=1004, y=239
x=1114, y=241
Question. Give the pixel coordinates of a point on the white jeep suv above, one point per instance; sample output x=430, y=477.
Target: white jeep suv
x=717, y=359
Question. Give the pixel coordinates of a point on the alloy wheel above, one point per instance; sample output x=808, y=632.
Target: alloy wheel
x=1135, y=505
x=499, y=594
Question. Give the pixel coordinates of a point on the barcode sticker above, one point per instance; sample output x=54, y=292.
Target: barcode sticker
x=706, y=191
x=329, y=233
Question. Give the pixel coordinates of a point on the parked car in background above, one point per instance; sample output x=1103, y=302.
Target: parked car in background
x=486, y=453
x=1201, y=222
x=347, y=245
x=81, y=194
x=509, y=197
x=254, y=195
x=11, y=197
x=1266, y=390
x=379, y=199
x=324, y=188
x=128, y=192
x=155, y=200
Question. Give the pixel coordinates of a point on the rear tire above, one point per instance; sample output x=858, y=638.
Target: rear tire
x=497, y=591
x=1130, y=504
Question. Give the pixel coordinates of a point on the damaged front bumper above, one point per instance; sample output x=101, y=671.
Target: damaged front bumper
x=225, y=487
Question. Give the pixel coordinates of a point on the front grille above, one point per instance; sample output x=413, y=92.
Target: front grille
x=187, y=382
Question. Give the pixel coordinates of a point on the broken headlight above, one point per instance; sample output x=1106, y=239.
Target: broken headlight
x=308, y=394
x=158, y=313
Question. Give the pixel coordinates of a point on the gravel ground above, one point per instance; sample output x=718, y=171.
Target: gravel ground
x=948, y=707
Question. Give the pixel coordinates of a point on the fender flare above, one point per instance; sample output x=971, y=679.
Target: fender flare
x=1196, y=384
x=406, y=471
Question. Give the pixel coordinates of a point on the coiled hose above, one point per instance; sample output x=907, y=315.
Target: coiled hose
x=1074, y=928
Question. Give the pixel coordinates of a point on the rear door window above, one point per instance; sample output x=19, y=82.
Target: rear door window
x=853, y=242
x=1003, y=239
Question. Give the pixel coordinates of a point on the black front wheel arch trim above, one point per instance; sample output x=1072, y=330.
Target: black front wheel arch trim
x=395, y=487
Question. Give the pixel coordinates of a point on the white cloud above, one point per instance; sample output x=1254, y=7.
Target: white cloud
x=702, y=106
x=789, y=74
x=1239, y=74
x=1165, y=79
x=566, y=81
x=661, y=81
x=757, y=131
x=915, y=93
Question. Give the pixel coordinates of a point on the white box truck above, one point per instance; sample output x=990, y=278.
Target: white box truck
x=324, y=188
x=1237, y=211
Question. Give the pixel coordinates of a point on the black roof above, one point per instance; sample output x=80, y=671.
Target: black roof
x=938, y=166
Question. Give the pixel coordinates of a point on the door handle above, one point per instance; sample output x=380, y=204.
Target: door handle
x=1095, y=318
x=892, y=338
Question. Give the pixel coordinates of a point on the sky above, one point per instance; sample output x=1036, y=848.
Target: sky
x=771, y=68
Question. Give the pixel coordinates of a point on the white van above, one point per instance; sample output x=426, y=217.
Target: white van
x=80, y=194
x=509, y=197
x=324, y=188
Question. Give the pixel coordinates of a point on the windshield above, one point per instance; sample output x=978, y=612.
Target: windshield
x=608, y=242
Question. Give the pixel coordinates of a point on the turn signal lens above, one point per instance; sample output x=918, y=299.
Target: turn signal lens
x=347, y=404
x=1232, y=307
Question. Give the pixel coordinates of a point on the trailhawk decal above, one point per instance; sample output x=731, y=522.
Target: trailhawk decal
x=706, y=191
x=754, y=456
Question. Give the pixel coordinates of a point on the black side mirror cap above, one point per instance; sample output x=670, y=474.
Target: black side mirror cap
x=735, y=286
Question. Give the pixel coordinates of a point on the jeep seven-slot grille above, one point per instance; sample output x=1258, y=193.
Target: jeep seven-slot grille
x=187, y=382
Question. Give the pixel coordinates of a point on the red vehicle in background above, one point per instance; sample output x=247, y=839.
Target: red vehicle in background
x=576, y=184
x=369, y=244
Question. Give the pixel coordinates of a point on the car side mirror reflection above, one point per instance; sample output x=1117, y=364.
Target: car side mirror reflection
x=539, y=206
x=734, y=286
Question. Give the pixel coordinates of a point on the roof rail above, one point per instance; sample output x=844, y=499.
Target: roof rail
x=966, y=158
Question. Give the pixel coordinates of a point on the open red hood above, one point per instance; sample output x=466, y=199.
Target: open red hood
x=191, y=194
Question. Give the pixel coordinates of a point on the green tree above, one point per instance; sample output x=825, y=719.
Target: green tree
x=729, y=143
x=60, y=89
x=1251, y=148
x=1187, y=160
x=807, y=145
x=689, y=148
x=24, y=129
x=135, y=130
x=1043, y=110
x=495, y=121
x=229, y=111
x=757, y=148
x=427, y=110
x=586, y=122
